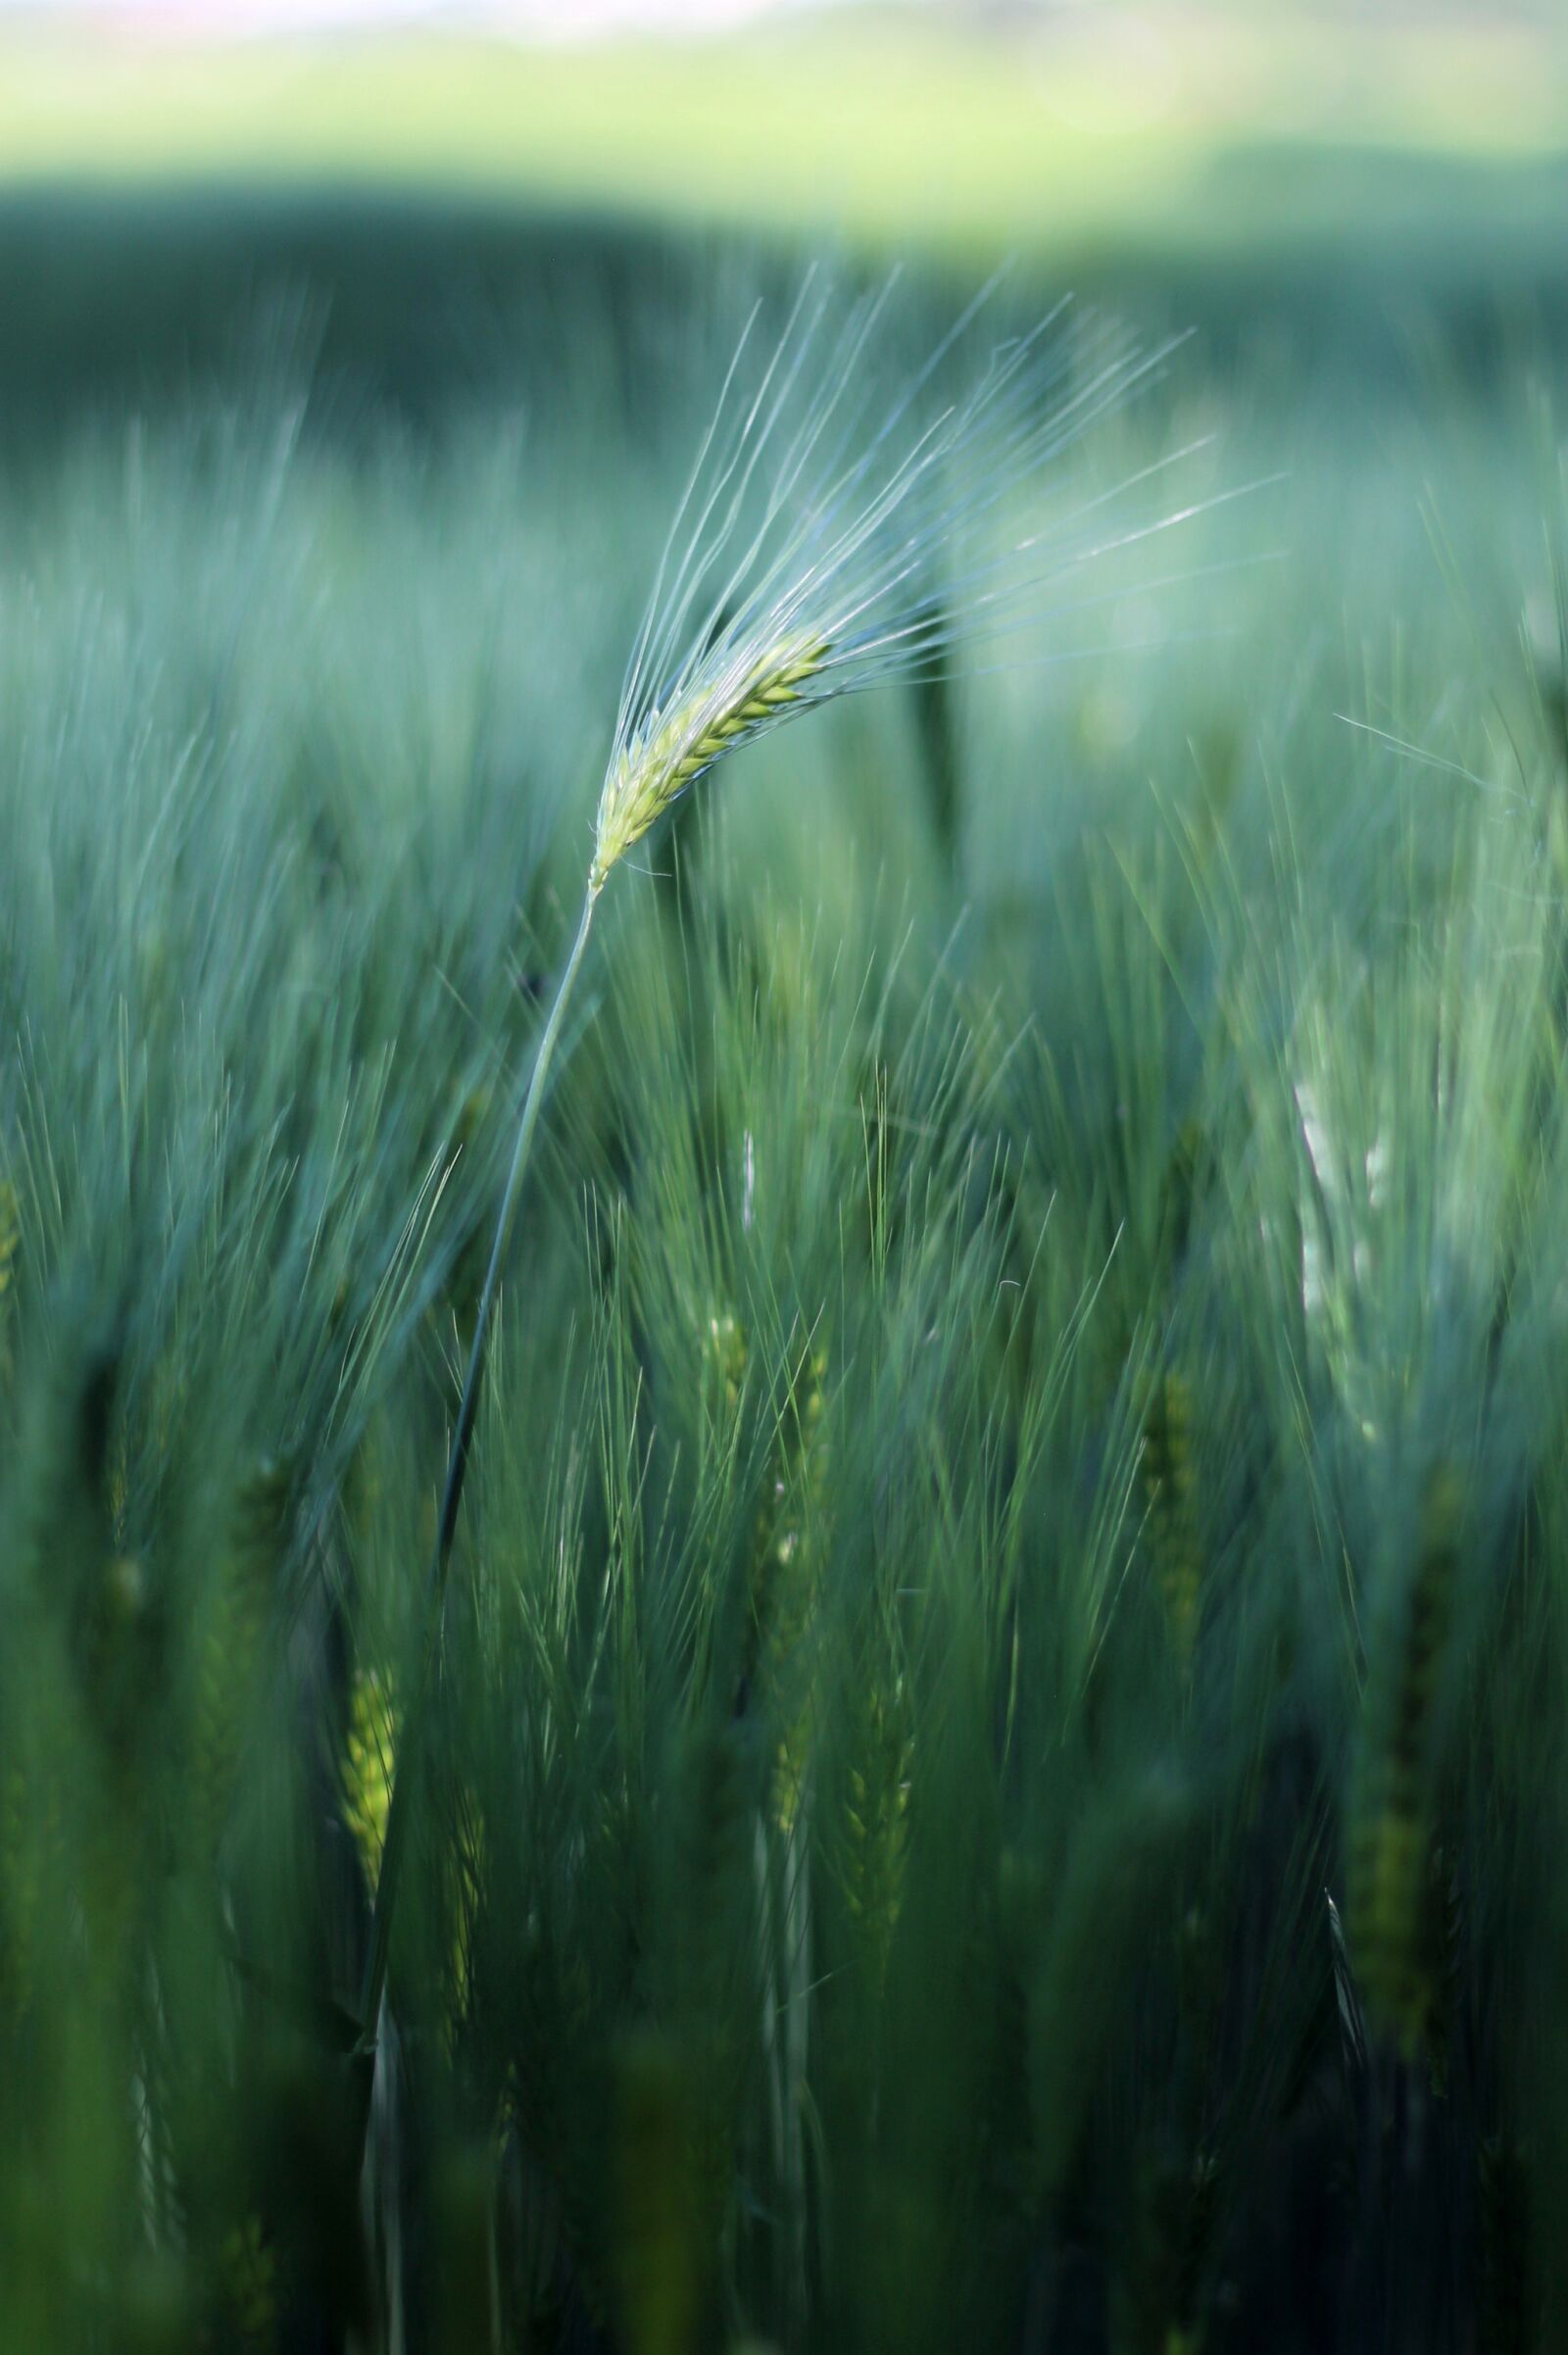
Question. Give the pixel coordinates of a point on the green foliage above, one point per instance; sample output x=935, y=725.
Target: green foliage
x=995, y=1772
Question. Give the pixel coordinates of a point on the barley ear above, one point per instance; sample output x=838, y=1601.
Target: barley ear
x=369, y=1749
x=673, y=746
x=1390, y=1834
x=1168, y=1484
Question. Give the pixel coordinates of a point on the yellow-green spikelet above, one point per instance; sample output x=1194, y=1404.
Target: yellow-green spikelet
x=724, y=1354
x=1389, y=1842
x=673, y=746
x=369, y=1749
x=1168, y=1484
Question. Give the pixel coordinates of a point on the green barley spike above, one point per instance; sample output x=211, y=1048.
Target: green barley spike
x=1390, y=1838
x=1168, y=1484
x=724, y=1354
x=674, y=746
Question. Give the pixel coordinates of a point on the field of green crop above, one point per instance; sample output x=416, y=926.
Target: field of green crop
x=991, y=1771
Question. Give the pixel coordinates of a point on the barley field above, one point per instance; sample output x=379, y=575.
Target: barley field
x=971, y=1753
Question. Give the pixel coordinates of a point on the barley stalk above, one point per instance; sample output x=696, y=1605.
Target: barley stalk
x=710, y=718
x=798, y=569
x=391, y=1863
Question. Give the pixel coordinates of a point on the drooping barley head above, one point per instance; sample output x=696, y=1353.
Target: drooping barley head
x=709, y=716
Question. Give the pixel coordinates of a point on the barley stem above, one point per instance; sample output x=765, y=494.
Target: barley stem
x=374, y=1985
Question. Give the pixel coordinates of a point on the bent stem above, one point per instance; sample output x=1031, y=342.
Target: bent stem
x=372, y=1989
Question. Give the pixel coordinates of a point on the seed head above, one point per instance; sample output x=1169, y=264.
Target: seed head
x=828, y=542
x=674, y=746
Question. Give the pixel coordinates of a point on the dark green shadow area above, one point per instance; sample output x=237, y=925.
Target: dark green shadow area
x=117, y=297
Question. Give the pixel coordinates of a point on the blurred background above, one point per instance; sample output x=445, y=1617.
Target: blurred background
x=1313, y=164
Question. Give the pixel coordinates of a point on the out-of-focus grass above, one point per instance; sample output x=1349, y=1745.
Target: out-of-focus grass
x=1026, y=1446
x=1096, y=127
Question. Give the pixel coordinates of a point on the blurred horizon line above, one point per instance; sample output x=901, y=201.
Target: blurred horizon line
x=225, y=20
